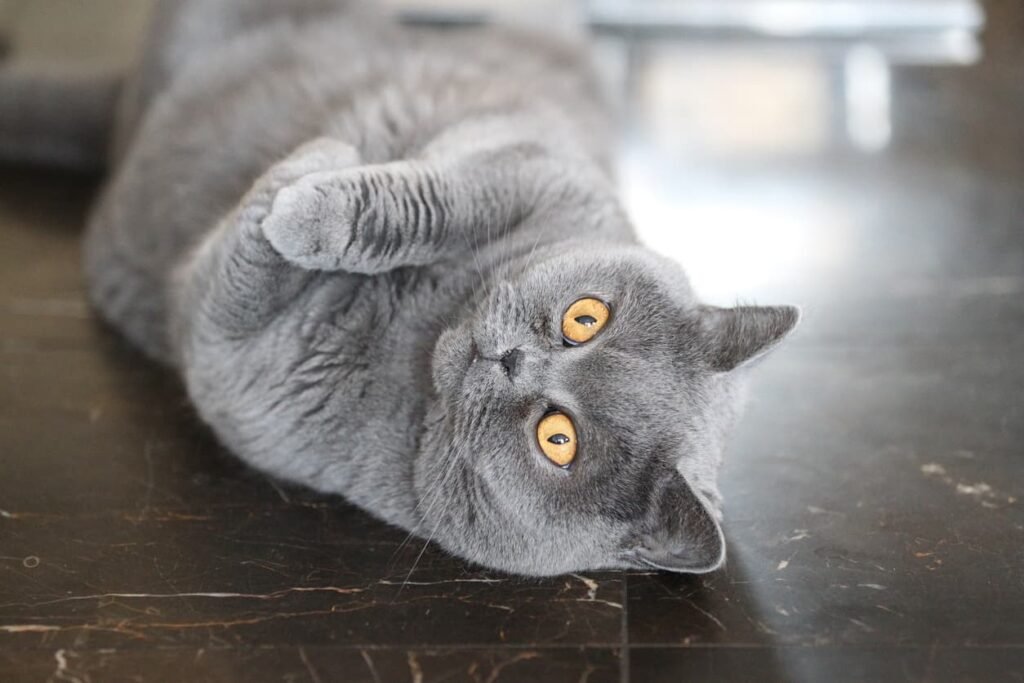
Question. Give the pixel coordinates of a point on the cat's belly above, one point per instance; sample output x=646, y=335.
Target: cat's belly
x=340, y=382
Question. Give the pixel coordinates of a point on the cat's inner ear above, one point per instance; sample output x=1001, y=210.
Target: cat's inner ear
x=732, y=337
x=680, y=533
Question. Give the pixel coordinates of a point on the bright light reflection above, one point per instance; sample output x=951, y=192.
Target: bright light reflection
x=794, y=17
x=961, y=46
x=868, y=98
x=734, y=101
x=739, y=242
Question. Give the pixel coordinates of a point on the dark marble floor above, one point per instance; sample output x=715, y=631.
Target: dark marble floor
x=875, y=490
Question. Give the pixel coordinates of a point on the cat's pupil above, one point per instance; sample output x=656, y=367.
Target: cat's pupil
x=558, y=439
x=587, y=320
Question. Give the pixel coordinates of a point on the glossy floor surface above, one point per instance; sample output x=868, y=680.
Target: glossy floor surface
x=874, y=492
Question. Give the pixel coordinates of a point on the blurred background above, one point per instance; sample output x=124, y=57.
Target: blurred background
x=774, y=101
x=863, y=159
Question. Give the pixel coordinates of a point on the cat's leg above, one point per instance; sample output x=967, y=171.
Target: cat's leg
x=374, y=218
x=236, y=282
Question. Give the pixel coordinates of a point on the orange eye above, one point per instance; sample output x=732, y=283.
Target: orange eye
x=584, y=319
x=556, y=436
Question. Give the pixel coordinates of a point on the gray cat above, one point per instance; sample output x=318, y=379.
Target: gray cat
x=388, y=262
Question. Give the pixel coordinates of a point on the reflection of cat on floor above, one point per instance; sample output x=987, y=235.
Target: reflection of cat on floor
x=389, y=263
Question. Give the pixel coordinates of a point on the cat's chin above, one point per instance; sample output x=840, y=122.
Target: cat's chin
x=453, y=356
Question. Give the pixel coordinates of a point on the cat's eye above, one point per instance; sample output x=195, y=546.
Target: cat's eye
x=556, y=436
x=584, y=319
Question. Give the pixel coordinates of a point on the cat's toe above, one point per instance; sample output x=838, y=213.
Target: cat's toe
x=316, y=156
x=321, y=154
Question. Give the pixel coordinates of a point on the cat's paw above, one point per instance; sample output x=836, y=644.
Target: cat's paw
x=311, y=220
x=301, y=208
x=316, y=156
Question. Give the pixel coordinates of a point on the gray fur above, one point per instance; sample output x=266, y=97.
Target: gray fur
x=316, y=216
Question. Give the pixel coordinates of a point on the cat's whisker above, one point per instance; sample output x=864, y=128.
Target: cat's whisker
x=502, y=228
x=439, y=489
x=419, y=523
x=541, y=232
x=474, y=251
x=438, y=486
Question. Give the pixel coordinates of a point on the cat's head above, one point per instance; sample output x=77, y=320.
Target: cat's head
x=585, y=404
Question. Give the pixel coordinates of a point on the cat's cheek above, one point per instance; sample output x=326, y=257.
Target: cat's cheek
x=451, y=361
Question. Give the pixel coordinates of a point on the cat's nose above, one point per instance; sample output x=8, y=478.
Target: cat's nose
x=511, y=361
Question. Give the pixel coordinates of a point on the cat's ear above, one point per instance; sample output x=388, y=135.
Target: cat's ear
x=680, y=533
x=731, y=337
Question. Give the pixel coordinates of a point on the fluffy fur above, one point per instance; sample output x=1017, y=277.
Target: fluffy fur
x=335, y=227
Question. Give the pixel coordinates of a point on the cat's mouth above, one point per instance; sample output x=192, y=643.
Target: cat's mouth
x=473, y=368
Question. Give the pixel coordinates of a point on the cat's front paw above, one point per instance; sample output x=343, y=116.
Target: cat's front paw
x=311, y=220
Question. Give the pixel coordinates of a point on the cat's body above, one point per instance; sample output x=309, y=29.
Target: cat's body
x=356, y=241
x=235, y=108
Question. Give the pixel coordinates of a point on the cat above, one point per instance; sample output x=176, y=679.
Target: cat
x=389, y=263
